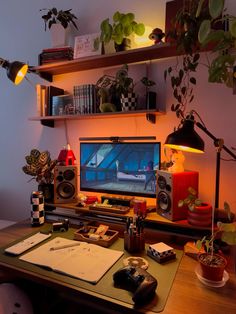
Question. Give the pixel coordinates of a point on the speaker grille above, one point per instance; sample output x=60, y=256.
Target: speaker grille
x=65, y=184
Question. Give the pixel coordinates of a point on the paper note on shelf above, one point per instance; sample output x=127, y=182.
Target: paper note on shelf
x=84, y=261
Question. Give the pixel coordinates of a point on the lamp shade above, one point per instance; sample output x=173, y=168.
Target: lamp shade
x=185, y=138
x=16, y=71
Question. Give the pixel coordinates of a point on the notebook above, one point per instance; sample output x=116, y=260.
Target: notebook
x=81, y=260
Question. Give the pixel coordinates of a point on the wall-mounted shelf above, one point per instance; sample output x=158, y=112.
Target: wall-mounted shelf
x=50, y=120
x=107, y=60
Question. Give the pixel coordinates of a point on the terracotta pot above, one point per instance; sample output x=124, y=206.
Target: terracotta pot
x=212, y=267
x=200, y=216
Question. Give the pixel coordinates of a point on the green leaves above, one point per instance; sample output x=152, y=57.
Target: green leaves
x=54, y=16
x=233, y=28
x=40, y=166
x=216, y=8
x=182, y=82
x=204, y=31
x=123, y=26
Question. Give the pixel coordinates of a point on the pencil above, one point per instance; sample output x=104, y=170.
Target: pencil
x=65, y=246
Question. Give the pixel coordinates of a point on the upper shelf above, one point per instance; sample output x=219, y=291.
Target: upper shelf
x=107, y=60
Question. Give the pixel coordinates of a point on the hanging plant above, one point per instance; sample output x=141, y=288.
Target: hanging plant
x=183, y=82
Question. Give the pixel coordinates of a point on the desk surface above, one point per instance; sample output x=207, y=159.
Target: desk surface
x=187, y=294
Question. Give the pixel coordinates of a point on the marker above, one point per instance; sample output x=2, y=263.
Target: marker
x=63, y=246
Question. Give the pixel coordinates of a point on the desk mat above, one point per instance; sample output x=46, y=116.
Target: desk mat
x=164, y=273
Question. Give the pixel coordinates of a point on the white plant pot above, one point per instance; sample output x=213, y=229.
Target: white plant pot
x=59, y=35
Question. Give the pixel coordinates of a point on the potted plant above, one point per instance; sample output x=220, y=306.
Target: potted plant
x=114, y=89
x=220, y=67
x=199, y=212
x=201, y=26
x=40, y=167
x=150, y=95
x=213, y=265
x=120, y=30
x=58, y=21
x=197, y=27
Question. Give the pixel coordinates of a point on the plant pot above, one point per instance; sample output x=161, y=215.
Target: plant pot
x=200, y=216
x=59, y=35
x=212, y=266
x=128, y=101
x=48, y=192
x=151, y=100
x=125, y=45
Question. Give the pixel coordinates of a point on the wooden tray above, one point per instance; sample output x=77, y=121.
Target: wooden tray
x=82, y=234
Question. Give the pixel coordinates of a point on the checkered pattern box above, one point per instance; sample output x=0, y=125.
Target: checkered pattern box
x=161, y=252
x=128, y=101
x=160, y=249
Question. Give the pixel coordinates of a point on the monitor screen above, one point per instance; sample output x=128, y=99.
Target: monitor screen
x=120, y=168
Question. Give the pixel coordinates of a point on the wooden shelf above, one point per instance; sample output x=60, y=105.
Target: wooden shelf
x=150, y=116
x=107, y=60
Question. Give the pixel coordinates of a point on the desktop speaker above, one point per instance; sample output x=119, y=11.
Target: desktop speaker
x=172, y=187
x=65, y=184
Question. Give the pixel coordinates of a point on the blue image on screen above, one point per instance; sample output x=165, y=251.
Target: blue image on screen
x=120, y=168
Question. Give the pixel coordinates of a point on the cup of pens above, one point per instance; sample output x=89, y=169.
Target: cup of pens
x=134, y=240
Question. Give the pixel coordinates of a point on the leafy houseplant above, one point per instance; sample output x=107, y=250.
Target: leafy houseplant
x=123, y=26
x=185, y=35
x=220, y=68
x=213, y=264
x=40, y=167
x=199, y=26
x=55, y=16
x=110, y=88
x=200, y=213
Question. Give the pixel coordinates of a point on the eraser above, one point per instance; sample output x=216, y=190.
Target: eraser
x=160, y=247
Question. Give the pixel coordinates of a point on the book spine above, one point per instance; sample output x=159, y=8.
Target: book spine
x=38, y=100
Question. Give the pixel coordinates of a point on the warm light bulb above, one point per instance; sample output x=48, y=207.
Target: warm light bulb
x=21, y=74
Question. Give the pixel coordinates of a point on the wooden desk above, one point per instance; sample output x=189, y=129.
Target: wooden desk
x=188, y=294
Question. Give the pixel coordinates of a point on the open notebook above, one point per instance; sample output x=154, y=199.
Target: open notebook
x=84, y=261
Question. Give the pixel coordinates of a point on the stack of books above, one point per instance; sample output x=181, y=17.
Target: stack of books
x=45, y=97
x=51, y=55
x=85, y=99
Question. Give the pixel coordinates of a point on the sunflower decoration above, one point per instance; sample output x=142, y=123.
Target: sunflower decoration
x=40, y=166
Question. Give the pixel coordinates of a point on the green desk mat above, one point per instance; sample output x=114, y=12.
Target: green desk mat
x=164, y=273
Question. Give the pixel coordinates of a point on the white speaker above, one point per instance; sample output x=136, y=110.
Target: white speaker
x=172, y=187
x=65, y=184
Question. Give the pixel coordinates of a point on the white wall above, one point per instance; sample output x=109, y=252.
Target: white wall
x=22, y=37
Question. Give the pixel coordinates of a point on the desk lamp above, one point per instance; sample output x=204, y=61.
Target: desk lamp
x=185, y=138
x=16, y=70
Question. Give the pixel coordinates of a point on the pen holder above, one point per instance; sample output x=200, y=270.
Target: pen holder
x=134, y=243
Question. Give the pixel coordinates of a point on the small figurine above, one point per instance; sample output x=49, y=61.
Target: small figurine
x=156, y=35
x=66, y=157
x=177, y=160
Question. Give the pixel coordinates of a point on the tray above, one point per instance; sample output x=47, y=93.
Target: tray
x=118, y=209
x=82, y=234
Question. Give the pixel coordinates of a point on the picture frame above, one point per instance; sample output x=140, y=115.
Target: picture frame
x=84, y=46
